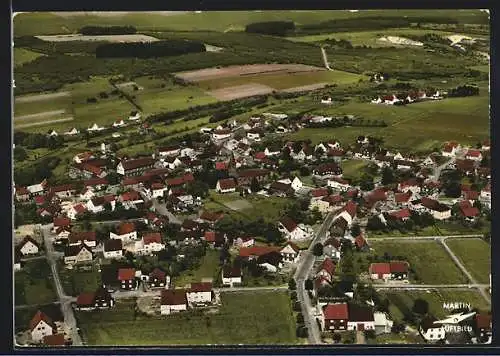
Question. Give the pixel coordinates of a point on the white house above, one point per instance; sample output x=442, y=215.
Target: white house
x=320, y=204
x=231, y=276
x=199, y=294
x=391, y=99
x=158, y=190
x=226, y=185
x=135, y=117
x=474, y=155
x=450, y=149
x=431, y=331
x=150, y=242
x=290, y=252
x=40, y=326
x=339, y=184
x=95, y=128
x=383, y=324
x=218, y=135
x=255, y=136
x=173, y=301
x=292, y=231
x=72, y=132
x=486, y=192
x=113, y=248
x=125, y=231
x=76, y=210
x=119, y=123
x=29, y=246
x=77, y=254
x=83, y=157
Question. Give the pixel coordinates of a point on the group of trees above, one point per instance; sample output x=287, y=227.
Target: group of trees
x=37, y=172
x=37, y=140
x=149, y=49
x=464, y=90
x=107, y=30
x=273, y=28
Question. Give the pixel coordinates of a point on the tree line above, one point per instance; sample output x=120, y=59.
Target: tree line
x=107, y=30
x=464, y=90
x=273, y=28
x=149, y=49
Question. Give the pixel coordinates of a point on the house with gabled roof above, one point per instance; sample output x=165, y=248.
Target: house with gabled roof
x=135, y=167
x=158, y=279
x=77, y=254
x=450, y=149
x=150, y=242
x=29, y=246
x=113, y=248
x=290, y=252
x=199, y=294
x=22, y=194
x=210, y=217
x=76, y=210
x=231, y=276
x=332, y=248
x=393, y=270
x=338, y=183
x=125, y=231
x=326, y=269
x=40, y=326
x=100, y=299
x=361, y=243
x=126, y=278
x=335, y=317
x=173, y=301
x=98, y=203
x=227, y=185
x=86, y=237
x=292, y=230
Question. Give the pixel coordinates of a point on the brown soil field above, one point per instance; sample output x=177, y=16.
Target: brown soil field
x=240, y=91
x=306, y=87
x=245, y=70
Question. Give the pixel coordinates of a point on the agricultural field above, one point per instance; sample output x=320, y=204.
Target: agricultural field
x=475, y=254
x=34, y=285
x=243, y=318
x=419, y=126
x=22, y=56
x=429, y=260
x=401, y=302
x=111, y=38
x=209, y=268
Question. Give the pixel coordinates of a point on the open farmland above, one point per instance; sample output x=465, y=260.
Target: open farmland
x=475, y=254
x=246, y=318
x=401, y=302
x=240, y=91
x=429, y=260
x=100, y=38
x=22, y=56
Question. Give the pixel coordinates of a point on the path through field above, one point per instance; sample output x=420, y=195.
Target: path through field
x=39, y=115
x=45, y=122
x=39, y=97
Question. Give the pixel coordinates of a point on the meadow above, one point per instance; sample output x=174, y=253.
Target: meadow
x=475, y=254
x=246, y=318
x=22, y=56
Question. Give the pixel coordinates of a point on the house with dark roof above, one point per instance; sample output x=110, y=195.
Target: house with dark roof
x=86, y=237
x=158, y=279
x=77, y=254
x=100, y=299
x=468, y=212
x=135, y=167
x=327, y=269
x=210, y=217
x=290, y=252
x=113, y=248
x=332, y=248
x=271, y=262
x=327, y=169
x=335, y=317
x=361, y=318
x=430, y=330
x=280, y=189
x=40, y=326
x=125, y=231
x=173, y=301
x=292, y=230
x=199, y=294
x=361, y=244
x=231, y=276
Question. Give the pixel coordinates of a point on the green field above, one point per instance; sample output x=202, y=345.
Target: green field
x=33, y=284
x=415, y=127
x=75, y=282
x=401, y=302
x=428, y=258
x=475, y=254
x=22, y=56
x=49, y=23
x=353, y=168
x=284, y=81
x=246, y=318
x=209, y=268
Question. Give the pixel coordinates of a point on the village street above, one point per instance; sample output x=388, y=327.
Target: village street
x=162, y=210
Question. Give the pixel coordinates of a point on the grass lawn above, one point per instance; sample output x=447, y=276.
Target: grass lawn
x=428, y=259
x=75, y=282
x=284, y=81
x=401, y=302
x=353, y=168
x=398, y=339
x=482, y=68
x=475, y=254
x=247, y=318
x=209, y=268
x=22, y=55
x=427, y=231
x=419, y=126
x=34, y=285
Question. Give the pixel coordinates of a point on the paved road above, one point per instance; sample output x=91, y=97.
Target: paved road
x=325, y=59
x=301, y=274
x=428, y=286
x=112, y=222
x=162, y=210
x=438, y=169
x=65, y=301
x=360, y=337
x=464, y=270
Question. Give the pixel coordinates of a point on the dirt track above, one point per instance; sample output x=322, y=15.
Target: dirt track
x=244, y=70
x=39, y=115
x=240, y=91
x=44, y=123
x=39, y=97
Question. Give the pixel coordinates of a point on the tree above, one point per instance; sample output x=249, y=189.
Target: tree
x=292, y=285
x=420, y=306
x=370, y=334
x=336, y=337
x=300, y=318
x=366, y=183
x=304, y=171
x=273, y=235
x=308, y=284
x=355, y=230
x=387, y=176
x=293, y=296
x=197, y=188
x=20, y=154
x=254, y=185
x=318, y=249
x=374, y=223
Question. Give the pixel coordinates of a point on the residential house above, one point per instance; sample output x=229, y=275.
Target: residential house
x=430, y=330
x=40, y=326
x=86, y=237
x=339, y=184
x=246, y=176
x=450, y=149
x=150, y=242
x=96, y=183
x=199, y=294
x=402, y=199
x=131, y=199
x=29, y=246
x=100, y=299
x=83, y=157
x=271, y=262
x=280, y=189
x=221, y=134
x=135, y=167
x=98, y=204
x=158, y=279
x=326, y=269
x=332, y=248
x=72, y=132
x=113, y=248
x=63, y=191
x=401, y=215
x=328, y=169
x=469, y=213
x=439, y=211
x=226, y=185
x=290, y=252
x=361, y=318
x=474, y=155
x=77, y=254
x=172, y=301
x=171, y=151
x=410, y=185
x=486, y=145
x=76, y=210
x=126, y=278
x=240, y=242
x=210, y=217
x=292, y=231
x=394, y=270
x=335, y=317
x=125, y=231
x=22, y=194
x=323, y=205
x=361, y=244
x=231, y=276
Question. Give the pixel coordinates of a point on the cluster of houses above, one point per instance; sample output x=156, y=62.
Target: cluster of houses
x=408, y=98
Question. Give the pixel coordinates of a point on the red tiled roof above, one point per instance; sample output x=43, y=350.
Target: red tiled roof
x=260, y=155
x=351, y=208
x=288, y=223
x=40, y=200
x=292, y=245
x=85, y=299
x=221, y=166
x=79, y=208
x=257, y=250
x=81, y=236
x=209, y=236
x=327, y=265
x=336, y=312
x=125, y=228
x=61, y=222
x=137, y=163
x=471, y=195
x=209, y=216
x=22, y=191
x=90, y=168
x=38, y=317
x=360, y=241
x=473, y=153
x=63, y=188
x=228, y=183
x=95, y=181
x=333, y=199
x=401, y=214
x=335, y=152
x=54, y=340
x=130, y=196
x=319, y=192
x=173, y=297
x=469, y=211
x=201, y=287
x=157, y=186
x=398, y=267
x=151, y=238
x=402, y=197
x=126, y=274
x=158, y=273
x=380, y=268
